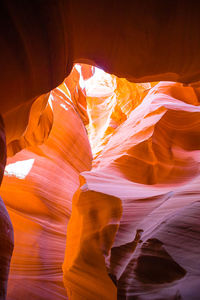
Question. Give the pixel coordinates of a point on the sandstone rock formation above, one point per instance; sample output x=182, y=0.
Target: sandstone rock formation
x=108, y=167
x=38, y=193
x=6, y=229
x=144, y=172
x=141, y=41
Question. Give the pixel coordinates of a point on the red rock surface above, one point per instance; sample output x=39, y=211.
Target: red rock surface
x=129, y=216
x=145, y=173
x=132, y=210
x=37, y=189
x=140, y=41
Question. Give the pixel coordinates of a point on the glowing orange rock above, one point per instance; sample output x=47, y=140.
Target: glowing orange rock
x=37, y=189
x=29, y=125
x=156, y=143
x=91, y=232
x=110, y=100
x=155, y=140
x=140, y=169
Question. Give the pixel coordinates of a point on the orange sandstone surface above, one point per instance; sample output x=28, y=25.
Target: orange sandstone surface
x=120, y=223
x=37, y=189
x=100, y=190
x=137, y=209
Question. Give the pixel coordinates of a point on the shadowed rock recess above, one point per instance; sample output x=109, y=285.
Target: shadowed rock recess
x=100, y=150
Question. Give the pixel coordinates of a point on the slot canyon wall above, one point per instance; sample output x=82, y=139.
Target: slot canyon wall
x=100, y=193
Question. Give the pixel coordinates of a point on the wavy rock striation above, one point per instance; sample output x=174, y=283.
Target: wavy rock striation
x=142, y=179
x=132, y=232
x=37, y=189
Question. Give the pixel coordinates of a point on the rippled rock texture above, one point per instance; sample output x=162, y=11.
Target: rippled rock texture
x=39, y=182
x=138, y=206
x=121, y=223
x=102, y=177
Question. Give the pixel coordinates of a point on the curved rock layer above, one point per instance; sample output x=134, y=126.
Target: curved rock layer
x=132, y=229
x=138, y=206
x=6, y=229
x=132, y=232
x=39, y=182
